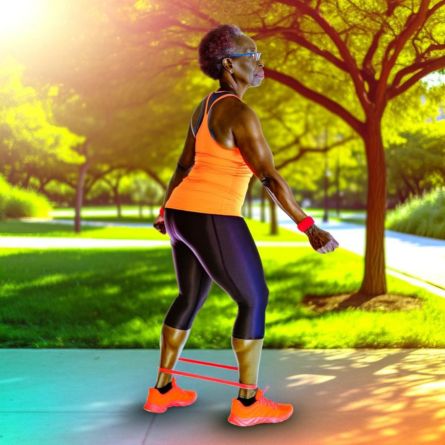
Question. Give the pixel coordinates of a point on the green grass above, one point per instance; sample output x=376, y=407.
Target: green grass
x=118, y=299
x=103, y=211
x=259, y=230
x=17, y=228
x=130, y=214
x=112, y=219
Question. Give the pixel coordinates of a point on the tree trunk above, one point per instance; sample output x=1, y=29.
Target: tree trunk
x=263, y=205
x=337, y=188
x=408, y=185
x=273, y=217
x=250, y=197
x=42, y=184
x=374, y=280
x=118, y=206
x=79, y=195
x=325, y=193
x=249, y=201
x=11, y=174
x=117, y=201
x=26, y=180
x=117, y=196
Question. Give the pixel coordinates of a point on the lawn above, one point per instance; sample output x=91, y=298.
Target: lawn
x=118, y=299
x=131, y=214
x=258, y=229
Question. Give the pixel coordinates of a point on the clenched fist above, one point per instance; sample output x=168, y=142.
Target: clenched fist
x=321, y=241
x=159, y=224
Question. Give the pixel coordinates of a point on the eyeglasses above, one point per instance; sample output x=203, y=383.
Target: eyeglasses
x=256, y=55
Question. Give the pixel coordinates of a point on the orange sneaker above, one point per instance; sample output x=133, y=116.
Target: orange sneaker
x=159, y=403
x=262, y=411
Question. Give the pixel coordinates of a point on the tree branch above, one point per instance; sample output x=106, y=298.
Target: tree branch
x=305, y=150
x=417, y=65
x=153, y=175
x=332, y=33
x=313, y=95
x=413, y=22
x=437, y=6
x=368, y=70
x=429, y=67
x=295, y=36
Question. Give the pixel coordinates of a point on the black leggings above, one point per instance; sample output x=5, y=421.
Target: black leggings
x=209, y=247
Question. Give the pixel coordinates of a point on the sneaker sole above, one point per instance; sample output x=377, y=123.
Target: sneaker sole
x=156, y=409
x=245, y=422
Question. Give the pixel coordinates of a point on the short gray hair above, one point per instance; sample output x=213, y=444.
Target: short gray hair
x=214, y=46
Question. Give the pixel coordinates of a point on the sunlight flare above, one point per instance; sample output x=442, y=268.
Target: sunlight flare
x=17, y=16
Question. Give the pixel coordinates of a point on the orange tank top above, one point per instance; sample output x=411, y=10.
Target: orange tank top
x=218, y=181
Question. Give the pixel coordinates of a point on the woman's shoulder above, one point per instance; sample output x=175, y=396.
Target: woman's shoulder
x=230, y=106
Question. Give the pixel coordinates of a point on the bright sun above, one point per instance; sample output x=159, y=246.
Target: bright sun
x=17, y=16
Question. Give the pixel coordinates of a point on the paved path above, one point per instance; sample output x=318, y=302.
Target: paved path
x=419, y=257
x=340, y=397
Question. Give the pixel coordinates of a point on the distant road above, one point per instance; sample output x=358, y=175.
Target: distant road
x=417, y=256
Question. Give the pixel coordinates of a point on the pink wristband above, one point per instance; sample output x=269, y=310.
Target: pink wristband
x=161, y=212
x=305, y=223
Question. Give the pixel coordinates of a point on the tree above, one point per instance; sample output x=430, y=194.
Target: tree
x=372, y=52
x=30, y=139
x=383, y=49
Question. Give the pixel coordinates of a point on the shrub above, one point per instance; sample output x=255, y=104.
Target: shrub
x=5, y=190
x=19, y=203
x=424, y=216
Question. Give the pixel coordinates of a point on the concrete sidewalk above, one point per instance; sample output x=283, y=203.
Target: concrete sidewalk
x=340, y=396
x=415, y=256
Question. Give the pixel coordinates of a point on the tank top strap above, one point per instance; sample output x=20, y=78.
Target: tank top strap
x=207, y=103
x=207, y=109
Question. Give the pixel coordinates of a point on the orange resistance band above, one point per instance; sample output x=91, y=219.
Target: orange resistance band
x=204, y=377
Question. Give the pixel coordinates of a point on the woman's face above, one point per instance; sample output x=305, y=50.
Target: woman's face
x=246, y=68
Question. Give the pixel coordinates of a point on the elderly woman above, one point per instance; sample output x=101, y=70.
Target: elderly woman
x=210, y=240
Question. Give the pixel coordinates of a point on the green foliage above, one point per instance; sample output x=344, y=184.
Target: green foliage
x=142, y=190
x=28, y=114
x=416, y=165
x=424, y=216
x=18, y=203
x=5, y=189
x=131, y=97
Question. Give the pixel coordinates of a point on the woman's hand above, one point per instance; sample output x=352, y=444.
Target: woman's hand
x=159, y=224
x=321, y=241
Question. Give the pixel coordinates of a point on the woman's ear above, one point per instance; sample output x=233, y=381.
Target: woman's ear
x=227, y=64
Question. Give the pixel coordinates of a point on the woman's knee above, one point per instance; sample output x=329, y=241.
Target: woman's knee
x=261, y=299
x=256, y=302
x=182, y=312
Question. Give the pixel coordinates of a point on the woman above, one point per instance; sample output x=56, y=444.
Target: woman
x=210, y=240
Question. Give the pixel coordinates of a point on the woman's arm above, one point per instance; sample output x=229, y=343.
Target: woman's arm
x=186, y=160
x=256, y=152
x=183, y=167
